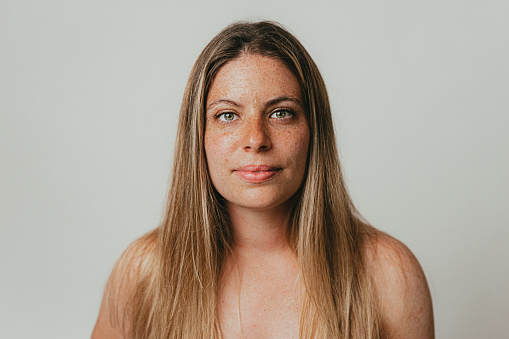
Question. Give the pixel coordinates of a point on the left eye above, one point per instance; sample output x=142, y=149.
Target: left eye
x=227, y=116
x=281, y=114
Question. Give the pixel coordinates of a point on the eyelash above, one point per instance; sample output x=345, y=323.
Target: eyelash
x=289, y=113
x=220, y=116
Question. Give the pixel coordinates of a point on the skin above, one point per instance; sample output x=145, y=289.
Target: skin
x=255, y=116
x=402, y=290
x=258, y=296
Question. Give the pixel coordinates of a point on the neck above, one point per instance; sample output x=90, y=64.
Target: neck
x=260, y=246
x=262, y=231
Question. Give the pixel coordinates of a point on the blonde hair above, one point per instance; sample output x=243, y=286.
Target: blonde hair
x=175, y=294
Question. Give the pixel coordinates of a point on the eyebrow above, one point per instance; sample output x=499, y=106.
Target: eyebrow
x=281, y=99
x=225, y=101
x=270, y=102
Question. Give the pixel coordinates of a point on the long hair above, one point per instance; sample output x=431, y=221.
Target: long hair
x=176, y=293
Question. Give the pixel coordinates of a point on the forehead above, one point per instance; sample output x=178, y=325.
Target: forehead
x=254, y=76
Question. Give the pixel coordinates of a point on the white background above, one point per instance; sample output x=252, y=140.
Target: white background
x=89, y=97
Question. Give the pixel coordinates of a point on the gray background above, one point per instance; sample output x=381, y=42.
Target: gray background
x=89, y=97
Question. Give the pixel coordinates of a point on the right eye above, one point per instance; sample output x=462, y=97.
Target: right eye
x=227, y=116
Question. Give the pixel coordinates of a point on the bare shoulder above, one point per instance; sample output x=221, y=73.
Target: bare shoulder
x=116, y=307
x=401, y=286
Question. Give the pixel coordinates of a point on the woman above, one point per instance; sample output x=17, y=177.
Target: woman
x=260, y=238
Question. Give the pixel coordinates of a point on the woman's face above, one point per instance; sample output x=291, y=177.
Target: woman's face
x=256, y=133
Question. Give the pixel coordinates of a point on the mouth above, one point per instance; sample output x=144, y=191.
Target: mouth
x=257, y=173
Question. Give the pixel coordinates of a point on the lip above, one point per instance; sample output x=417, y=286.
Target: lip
x=256, y=173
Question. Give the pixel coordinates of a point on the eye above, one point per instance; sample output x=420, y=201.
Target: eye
x=281, y=114
x=227, y=116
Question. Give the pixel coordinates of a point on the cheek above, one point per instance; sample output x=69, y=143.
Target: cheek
x=216, y=152
x=302, y=154
x=296, y=141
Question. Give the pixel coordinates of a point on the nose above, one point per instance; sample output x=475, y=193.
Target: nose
x=256, y=137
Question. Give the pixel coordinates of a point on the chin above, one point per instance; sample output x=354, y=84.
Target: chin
x=260, y=200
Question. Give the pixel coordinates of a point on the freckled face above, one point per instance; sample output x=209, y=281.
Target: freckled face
x=256, y=133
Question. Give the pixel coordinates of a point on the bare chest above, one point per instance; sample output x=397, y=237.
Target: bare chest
x=259, y=305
